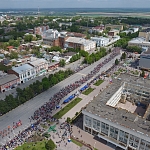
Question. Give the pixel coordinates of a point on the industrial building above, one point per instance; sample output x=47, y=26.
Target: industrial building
x=120, y=114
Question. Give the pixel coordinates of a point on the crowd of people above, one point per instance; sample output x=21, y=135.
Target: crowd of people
x=45, y=111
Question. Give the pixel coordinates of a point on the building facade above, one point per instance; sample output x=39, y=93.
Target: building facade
x=40, y=66
x=100, y=41
x=80, y=43
x=25, y=72
x=8, y=82
x=120, y=114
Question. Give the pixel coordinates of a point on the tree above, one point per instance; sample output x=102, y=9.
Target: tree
x=13, y=55
x=50, y=145
x=123, y=56
x=116, y=62
x=28, y=38
x=142, y=74
x=62, y=63
x=68, y=119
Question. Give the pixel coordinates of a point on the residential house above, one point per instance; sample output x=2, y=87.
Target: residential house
x=97, y=29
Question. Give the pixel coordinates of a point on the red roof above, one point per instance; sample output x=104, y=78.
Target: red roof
x=10, y=47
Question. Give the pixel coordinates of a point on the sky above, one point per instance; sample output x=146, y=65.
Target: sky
x=74, y=3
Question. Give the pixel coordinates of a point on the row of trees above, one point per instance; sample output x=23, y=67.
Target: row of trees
x=134, y=49
x=75, y=58
x=95, y=56
x=32, y=90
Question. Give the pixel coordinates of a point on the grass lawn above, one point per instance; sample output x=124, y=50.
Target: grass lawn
x=67, y=108
x=88, y=91
x=98, y=82
x=36, y=145
x=76, y=142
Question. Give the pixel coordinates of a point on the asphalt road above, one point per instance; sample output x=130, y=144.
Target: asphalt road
x=25, y=111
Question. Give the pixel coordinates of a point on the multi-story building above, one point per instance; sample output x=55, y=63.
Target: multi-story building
x=8, y=82
x=83, y=44
x=113, y=32
x=25, y=72
x=40, y=66
x=51, y=37
x=100, y=41
x=140, y=42
x=40, y=30
x=144, y=62
x=145, y=33
x=120, y=114
x=111, y=26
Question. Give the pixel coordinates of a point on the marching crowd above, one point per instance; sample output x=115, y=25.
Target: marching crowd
x=45, y=111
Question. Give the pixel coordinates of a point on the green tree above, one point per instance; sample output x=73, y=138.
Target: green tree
x=28, y=38
x=68, y=119
x=13, y=55
x=50, y=145
x=142, y=74
x=116, y=62
x=123, y=56
x=62, y=63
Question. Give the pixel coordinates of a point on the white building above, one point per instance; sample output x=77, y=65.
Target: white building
x=25, y=72
x=100, y=41
x=120, y=114
x=140, y=42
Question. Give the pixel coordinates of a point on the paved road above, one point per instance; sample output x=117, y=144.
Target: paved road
x=24, y=111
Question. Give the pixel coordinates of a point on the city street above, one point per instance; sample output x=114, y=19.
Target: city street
x=25, y=111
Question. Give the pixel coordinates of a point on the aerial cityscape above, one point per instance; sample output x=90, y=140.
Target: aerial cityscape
x=74, y=75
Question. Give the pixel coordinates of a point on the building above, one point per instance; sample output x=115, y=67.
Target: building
x=140, y=42
x=83, y=44
x=40, y=30
x=40, y=66
x=53, y=66
x=144, y=62
x=131, y=30
x=51, y=37
x=25, y=72
x=8, y=81
x=113, y=32
x=97, y=29
x=145, y=33
x=100, y=41
x=120, y=114
x=68, y=24
x=112, y=27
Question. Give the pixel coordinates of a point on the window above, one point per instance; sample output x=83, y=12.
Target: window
x=104, y=128
x=134, y=141
x=113, y=132
x=123, y=137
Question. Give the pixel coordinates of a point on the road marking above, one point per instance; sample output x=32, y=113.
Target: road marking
x=81, y=74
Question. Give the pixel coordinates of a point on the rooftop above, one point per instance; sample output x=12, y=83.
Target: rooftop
x=129, y=115
x=79, y=40
x=22, y=69
x=7, y=78
x=139, y=40
x=146, y=30
x=37, y=62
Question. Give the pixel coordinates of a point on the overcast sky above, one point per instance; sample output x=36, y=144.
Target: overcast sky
x=74, y=3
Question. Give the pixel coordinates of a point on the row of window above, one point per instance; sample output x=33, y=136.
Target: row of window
x=116, y=134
